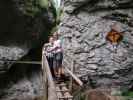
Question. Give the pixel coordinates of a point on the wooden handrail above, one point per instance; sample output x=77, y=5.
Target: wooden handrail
x=21, y=61
x=51, y=91
x=49, y=86
x=74, y=77
x=72, y=73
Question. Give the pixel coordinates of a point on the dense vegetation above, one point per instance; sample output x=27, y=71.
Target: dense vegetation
x=34, y=7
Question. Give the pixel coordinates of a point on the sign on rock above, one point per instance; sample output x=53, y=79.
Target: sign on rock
x=114, y=36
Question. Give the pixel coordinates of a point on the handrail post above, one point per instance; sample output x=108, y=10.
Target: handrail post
x=71, y=79
x=72, y=70
x=49, y=86
x=44, y=81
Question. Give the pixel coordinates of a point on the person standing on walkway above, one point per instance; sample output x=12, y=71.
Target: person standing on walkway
x=58, y=55
x=49, y=54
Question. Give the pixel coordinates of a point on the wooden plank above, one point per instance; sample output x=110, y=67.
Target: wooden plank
x=71, y=79
x=67, y=95
x=66, y=98
x=62, y=84
x=59, y=94
x=28, y=62
x=44, y=82
x=74, y=77
x=22, y=62
x=63, y=90
x=51, y=91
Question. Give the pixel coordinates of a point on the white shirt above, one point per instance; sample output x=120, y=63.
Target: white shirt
x=57, y=45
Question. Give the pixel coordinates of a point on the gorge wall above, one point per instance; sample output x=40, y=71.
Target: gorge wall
x=24, y=27
x=84, y=28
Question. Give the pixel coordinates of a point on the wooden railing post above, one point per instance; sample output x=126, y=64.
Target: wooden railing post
x=49, y=86
x=71, y=79
x=44, y=81
x=71, y=72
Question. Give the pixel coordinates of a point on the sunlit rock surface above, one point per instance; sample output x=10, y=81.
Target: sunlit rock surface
x=84, y=28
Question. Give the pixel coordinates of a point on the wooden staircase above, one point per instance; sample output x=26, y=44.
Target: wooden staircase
x=63, y=92
x=55, y=90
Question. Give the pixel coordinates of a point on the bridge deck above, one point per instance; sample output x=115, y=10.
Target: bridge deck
x=63, y=92
x=59, y=90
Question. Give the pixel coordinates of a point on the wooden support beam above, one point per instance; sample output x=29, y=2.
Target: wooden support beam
x=28, y=62
x=22, y=62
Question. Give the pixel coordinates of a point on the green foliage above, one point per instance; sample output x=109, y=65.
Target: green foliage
x=32, y=7
x=128, y=95
x=57, y=9
x=43, y=3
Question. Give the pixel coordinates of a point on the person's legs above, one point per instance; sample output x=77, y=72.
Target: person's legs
x=50, y=62
x=59, y=63
x=55, y=65
x=51, y=67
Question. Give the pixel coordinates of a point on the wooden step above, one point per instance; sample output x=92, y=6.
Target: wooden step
x=59, y=94
x=66, y=98
x=67, y=94
x=62, y=84
x=62, y=90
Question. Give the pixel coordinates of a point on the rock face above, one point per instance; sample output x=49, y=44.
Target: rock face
x=84, y=28
x=101, y=95
x=23, y=30
x=22, y=27
x=21, y=82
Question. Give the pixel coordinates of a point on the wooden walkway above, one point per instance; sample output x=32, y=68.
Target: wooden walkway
x=53, y=90
x=57, y=90
x=63, y=92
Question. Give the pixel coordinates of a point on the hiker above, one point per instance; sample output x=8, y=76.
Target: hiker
x=49, y=54
x=58, y=56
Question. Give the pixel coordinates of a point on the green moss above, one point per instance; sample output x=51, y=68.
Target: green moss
x=128, y=93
